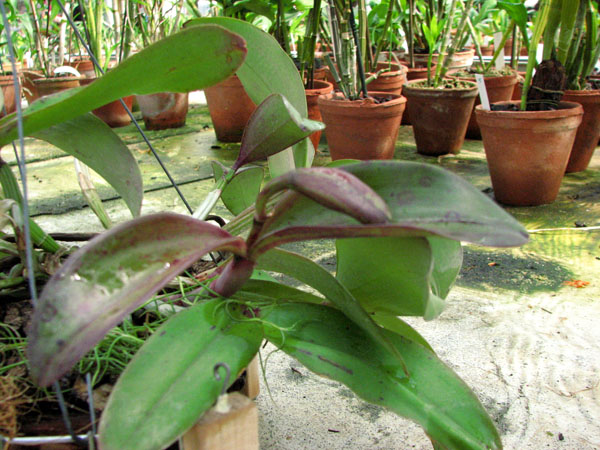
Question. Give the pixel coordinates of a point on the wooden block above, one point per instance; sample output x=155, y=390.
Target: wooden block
x=251, y=388
x=237, y=429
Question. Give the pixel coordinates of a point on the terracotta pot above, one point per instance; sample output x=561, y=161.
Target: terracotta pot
x=419, y=72
x=362, y=129
x=508, y=48
x=390, y=81
x=329, y=78
x=29, y=88
x=528, y=151
x=84, y=66
x=439, y=116
x=113, y=113
x=8, y=91
x=518, y=91
x=49, y=86
x=163, y=110
x=312, y=95
x=230, y=109
x=499, y=89
x=589, y=130
x=487, y=50
x=460, y=60
x=320, y=74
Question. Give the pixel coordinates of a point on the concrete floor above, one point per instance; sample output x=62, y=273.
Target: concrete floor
x=527, y=343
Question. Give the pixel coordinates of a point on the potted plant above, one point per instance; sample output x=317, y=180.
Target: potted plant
x=102, y=43
x=49, y=54
x=440, y=107
x=155, y=20
x=315, y=84
x=577, y=47
x=359, y=124
x=528, y=146
x=499, y=83
x=229, y=105
x=422, y=14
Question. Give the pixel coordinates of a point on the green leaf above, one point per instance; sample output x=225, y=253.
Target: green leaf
x=397, y=325
x=568, y=16
x=312, y=274
x=424, y=200
x=447, y=261
x=170, y=382
x=274, y=126
x=94, y=143
x=329, y=344
x=274, y=291
x=395, y=275
x=240, y=193
x=518, y=12
x=267, y=69
x=108, y=278
x=191, y=59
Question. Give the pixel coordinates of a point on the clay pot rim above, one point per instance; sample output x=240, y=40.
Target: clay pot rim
x=462, y=52
x=492, y=81
x=429, y=92
x=397, y=70
x=397, y=100
x=565, y=109
x=47, y=80
x=582, y=92
x=326, y=88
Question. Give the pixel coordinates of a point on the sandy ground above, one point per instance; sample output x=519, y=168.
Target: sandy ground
x=532, y=361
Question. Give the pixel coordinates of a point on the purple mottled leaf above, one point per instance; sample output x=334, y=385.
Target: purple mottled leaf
x=424, y=200
x=107, y=279
x=335, y=189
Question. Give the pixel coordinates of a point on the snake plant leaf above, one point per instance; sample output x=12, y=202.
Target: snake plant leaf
x=315, y=276
x=108, y=278
x=267, y=70
x=170, y=382
x=333, y=188
x=185, y=61
x=329, y=344
x=424, y=200
x=241, y=191
x=94, y=143
x=568, y=16
x=274, y=126
x=395, y=275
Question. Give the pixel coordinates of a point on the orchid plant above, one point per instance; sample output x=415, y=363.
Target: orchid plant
x=398, y=227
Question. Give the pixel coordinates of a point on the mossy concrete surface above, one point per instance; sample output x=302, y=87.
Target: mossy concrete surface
x=516, y=329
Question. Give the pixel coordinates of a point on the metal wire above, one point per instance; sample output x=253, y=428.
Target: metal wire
x=21, y=162
x=133, y=120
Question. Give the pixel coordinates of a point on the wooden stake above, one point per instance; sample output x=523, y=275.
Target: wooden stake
x=236, y=429
x=251, y=388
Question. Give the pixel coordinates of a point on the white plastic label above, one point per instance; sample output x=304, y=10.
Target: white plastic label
x=485, y=102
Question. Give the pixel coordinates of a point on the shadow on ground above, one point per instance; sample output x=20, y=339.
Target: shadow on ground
x=527, y=274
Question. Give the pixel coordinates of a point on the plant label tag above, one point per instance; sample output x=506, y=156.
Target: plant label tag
x=500, y=59
x=485, y=102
